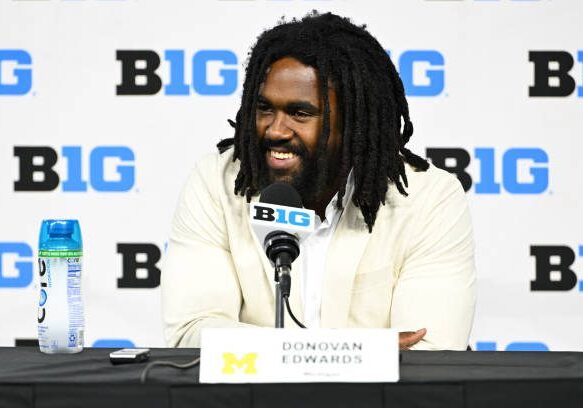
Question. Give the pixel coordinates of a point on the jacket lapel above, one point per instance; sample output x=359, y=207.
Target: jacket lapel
x=344, y=255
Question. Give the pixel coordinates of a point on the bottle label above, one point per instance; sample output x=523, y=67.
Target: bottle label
x=60, y=254
x=60, y=314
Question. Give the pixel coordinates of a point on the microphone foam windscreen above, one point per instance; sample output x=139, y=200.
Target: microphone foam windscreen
x=280, y=193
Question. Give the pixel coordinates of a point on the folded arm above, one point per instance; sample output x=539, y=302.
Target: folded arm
x=436, y=284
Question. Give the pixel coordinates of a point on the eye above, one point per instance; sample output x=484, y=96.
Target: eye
x=263, y=107
x=302, y=114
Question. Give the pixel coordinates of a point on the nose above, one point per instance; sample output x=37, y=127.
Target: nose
x=278, y=129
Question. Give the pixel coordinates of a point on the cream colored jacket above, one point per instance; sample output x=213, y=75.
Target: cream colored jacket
x=415, y=270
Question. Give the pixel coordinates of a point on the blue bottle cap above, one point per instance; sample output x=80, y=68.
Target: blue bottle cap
x=67, y=232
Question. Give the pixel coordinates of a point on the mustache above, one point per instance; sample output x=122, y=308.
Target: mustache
x=298, y=149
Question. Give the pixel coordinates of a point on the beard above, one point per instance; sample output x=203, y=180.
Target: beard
x=305, y=179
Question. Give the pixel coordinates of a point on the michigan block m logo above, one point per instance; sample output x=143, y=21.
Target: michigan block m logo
x=247, y=361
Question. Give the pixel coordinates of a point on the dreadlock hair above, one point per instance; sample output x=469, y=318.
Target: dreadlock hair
x=371, y=102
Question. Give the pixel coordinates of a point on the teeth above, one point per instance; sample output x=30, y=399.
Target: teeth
x=281, y=155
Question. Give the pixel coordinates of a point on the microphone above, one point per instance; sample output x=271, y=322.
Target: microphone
x=279, y=221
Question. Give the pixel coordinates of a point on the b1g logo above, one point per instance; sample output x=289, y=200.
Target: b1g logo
x=422, y=72
x=100, y=343
x=514, y=346
x=16, y=265
x=139, y=74
x=15, y=72
x=36, y=169
x=139, y=265
x=525, y=1
x=215, y=72
x=281, y=215
x=506, y=167
x=553, y=268
x=552, y=73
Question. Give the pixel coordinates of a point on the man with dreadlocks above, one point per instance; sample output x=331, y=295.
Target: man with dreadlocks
x=324, y=109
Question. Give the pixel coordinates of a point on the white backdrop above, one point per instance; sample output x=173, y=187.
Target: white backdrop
x=58, y=78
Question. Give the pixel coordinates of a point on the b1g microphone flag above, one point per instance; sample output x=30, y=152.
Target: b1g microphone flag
x=280, y=209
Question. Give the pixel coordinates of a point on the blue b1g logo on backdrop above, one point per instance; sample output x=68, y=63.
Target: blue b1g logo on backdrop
x=514, y=346
x=199, y=77
x=42, y=159
x=422, y=72
x=15, y=266
x=113, y=343
x=507, y=163
x=15, y=72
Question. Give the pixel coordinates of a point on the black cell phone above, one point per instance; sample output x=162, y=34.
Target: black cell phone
x=129, y=355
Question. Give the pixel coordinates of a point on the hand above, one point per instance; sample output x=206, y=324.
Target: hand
x=408, y=339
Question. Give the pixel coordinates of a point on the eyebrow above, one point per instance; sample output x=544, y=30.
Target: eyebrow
x=293, y=106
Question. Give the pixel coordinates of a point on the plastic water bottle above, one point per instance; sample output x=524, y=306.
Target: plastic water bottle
x=60, y=314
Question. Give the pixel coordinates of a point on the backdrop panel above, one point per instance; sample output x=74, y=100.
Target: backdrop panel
x=127, y=95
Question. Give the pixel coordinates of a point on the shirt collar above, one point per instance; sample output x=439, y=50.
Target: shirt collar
x=332, y=210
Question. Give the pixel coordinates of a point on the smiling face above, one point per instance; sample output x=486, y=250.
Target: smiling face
x=289, y=118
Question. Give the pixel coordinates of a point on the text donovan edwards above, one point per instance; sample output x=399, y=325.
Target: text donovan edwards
x=325, y=357
x=321, y=359
x=321, y=346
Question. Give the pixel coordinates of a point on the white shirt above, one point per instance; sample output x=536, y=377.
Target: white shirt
x=314, y=249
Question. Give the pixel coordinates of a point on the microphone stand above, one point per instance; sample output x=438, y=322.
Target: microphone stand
x=282, y=249
x=278, y=307
x=282, y=288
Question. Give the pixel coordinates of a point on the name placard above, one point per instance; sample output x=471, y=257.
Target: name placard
x=263, y=355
